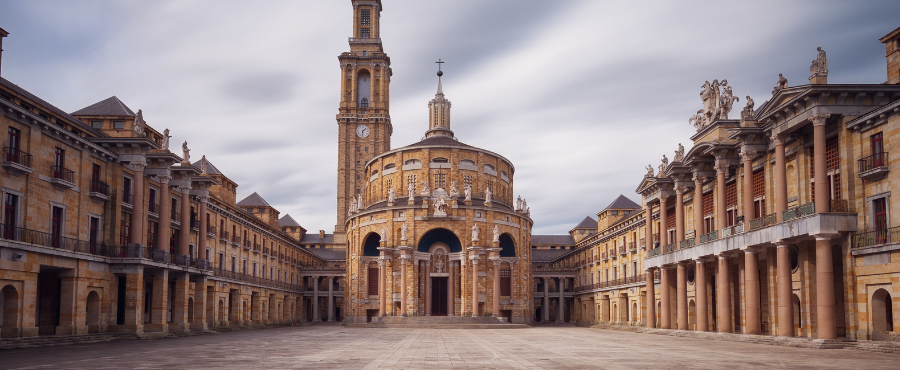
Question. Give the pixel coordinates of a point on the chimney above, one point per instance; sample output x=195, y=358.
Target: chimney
x=3, y=34
x=321, y=234
x=891, y=43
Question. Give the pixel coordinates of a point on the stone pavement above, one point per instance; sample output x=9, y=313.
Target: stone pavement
x=336, y=347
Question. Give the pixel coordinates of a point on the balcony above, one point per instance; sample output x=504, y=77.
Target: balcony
x=176, y=217
x=16, y=161
x=623, y=251
x=22, y=235
x=153, y=208
x=223, y=236
x=732, y=230
x=364, y=40
x=127, y=200
x=759, y=223
x=608, y=284
x=798, y=211
x=874, y=167
x=687, y=243
x=632, y=248
x=709, y=236
x=210, y=232
x=62, y=178
x=195, y=224
x=246, y=244
x=668, y=248
x=99, y=191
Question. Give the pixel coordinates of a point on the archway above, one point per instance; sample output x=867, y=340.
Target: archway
x=798, y=324
x=615, y=311
x=658, y=313
x=92, y=307
x=439, y=235
x=372, y=242
x=507, y=246
x=221, y=311
x=634, y=316
x=882, y=315
x=692, y=315
x=10, y=314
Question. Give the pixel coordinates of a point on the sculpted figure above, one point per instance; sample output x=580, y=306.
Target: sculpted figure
x=697, y=120
x=425, y=190
x=663, y=165
x=519, y=203
x=649, y=171
x=819, y=66
x=439, y=205
x=475, y=232
x=359, y=204
x=203, y=164
x=403, y=231
x=727, y=100
x=165, y=139
x=411, y=191
x=383, y=232
x=781, y=84
x=454, y=192
x=679, y=154
x=496, y=234
x=186, y=152
x=468, y=192
x=391, y=195
x=487, y=195
x=139, y=123
x=525, y=206
x=353, y=205
x=747, y=113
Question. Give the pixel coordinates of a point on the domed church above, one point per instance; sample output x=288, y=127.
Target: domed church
x=433, y=228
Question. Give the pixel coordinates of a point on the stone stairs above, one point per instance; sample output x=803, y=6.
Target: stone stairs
x=442, y=322
x=60, y=340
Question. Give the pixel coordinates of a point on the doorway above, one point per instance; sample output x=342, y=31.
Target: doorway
x=439, y=295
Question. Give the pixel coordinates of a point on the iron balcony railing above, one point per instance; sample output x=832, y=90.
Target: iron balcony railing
x=176, y=216
x=223, y=235
x=873, y=161
x=611, y=283
x=709, y=236
x=256, y=280
x=759, y=223
x=668, y=248
x=62, y=173
x=99, y=187
x=799, y=211
x=839, y=205
x=732, y=230
x=23, y=235
x=653, y=252
x=877, y=237
x=17, y=156
x=687, y=243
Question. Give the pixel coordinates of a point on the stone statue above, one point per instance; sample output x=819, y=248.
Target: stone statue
x=780, y=85
x=468, y=192
x=454, y=192
x=439, y=205
x=383, y=233
x=496, y=234
x=411, y=191
x=403, y=232
x=353, y=205
x=203, y=164
x=747, y=112
x=819, y=66
x=649, y=171
x=165, y=139
x=391, y=195
x=679, y=154
x=475, y=232
x=525, y=206
x=519, y=203
x=716, y=103
x=487, y=195
x=186, y=152
x=359, y=204
x=350, y=210
x=425, y=190
x=727, y=100
x=139, y=123
x=663, y=165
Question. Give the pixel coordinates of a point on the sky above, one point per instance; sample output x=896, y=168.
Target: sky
x=579, y=95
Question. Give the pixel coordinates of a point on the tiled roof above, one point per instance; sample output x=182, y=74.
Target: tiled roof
x=254, y=200
x=331, y=254
x=438, y=141
x=111, y=106
x=622, y=203
x=547, y=255
x=48, y=106
x=210, y=168
x=588, y=223
x=287, y=220
x=552, y=240
x=315, y=239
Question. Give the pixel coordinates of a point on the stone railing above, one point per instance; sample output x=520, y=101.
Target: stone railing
x=799, y=211
x=687, y=243
x=709, y=237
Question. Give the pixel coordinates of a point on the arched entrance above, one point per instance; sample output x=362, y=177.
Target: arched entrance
x=10, y=315
x=798, y=324
x=692, y=315
x=221, y=311
x=371, y=244
x=190, y=309
x=92, y=307
x=439, y=294
x=882, y=315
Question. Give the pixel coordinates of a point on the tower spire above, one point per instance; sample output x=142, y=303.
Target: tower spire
x=439, y=110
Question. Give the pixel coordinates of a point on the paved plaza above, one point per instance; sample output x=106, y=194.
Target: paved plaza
x=337, y=347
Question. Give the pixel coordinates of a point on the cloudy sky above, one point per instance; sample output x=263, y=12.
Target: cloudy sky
x=579, y=95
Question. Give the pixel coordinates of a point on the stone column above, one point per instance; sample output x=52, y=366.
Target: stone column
x=663, y=221
x=825, y=312
x=70, y=306
x=159, y=301
x=651, y=299
x=180, y=304
x=451, y=297
x=665, y=316
x=784, y=286
x=201, y=236
x=165, y=213
x=649, y=230
x=723, y=299
x=751, y=292
x=427, y=277
x=780, y=178
x=382, y=288
x=316, y=317
x=496, y=295
x=404, y=258
x=721, y=171
x=698, y=207
x=681, y=297
x=184, y=238
x=330, y=298
x=700, y=292
x=474, y=257
x=679, y=213
x=747, y=194
x=199, y=304
x=137, y=210
x=546, y=308
x=823, y=196
x=561, y=314
x=134, y=300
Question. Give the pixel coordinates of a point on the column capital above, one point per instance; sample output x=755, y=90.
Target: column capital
x=776, y=139
x=496, y=261
x=747, y=155
x=721, y=167
x=203, y=198
x=404, y=258
x=164, y=179
x=139, y=165
x=681, y=188
x=184, y=189
x=698, y=180
x=818, y=119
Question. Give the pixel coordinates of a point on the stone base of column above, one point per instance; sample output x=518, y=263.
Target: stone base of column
x=156, y=327
x=72, y=330
x=179, y=328
x=123, y=329
x=201, y=326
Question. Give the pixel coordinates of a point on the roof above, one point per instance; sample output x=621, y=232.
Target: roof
x=254, y=200
x=210, y=168
x=111, y=106
x=622, y=203
x=48, y=106
x=287, y=220
x=438, y=141
x=588, y=223
x=552, y=239
x=547, y=255
x=313, y=238
x=890, y=35
x=329, y=253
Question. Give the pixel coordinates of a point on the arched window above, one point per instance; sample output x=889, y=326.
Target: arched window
x=364, y=103
x=440, y=160
x=490, y=170
x=363, y=90
x=410, y=162
x=389, y=166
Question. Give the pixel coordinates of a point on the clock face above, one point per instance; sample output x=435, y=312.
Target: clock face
x=362, y=131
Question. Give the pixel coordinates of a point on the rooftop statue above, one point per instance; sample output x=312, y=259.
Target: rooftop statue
x=186, y=152
x=139, y=123
x=716, y=104
x=165, y=139
x=649, y=171
x=780, y=85
x=747, y=112
x=679, y=154
x=391, y=195
x=819, y=65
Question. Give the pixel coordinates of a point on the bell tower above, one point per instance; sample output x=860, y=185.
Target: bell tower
x=364, y=122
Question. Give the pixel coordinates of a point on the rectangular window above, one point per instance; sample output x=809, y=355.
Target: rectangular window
x=59, y=163
x=173, y=241
x=365, y=17
x=152, y=198
x=373, y=281
x=759, y=193
x=877, y=141
x=126, y=190
x=221, y=261
x=14, y=139
x=233, y=263
x=505, y=282
x=440, y=180
x=125, y=233
x=10, y=216
x=97, y=124
x=119, y=125
x=174, y=209
x=244, y=271
x=364, y=32
x=152, y=232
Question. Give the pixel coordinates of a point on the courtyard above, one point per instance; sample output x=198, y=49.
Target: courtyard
x=329, y=346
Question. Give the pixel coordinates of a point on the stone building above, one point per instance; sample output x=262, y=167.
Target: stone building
x=776, y=223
